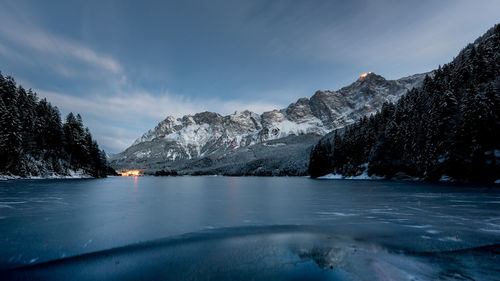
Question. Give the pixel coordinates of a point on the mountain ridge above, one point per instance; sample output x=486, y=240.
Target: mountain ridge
x=209, y=133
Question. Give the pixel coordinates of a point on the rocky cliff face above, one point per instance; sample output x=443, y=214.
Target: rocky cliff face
x=209, y=134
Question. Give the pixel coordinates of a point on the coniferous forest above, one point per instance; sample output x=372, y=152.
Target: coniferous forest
x=34, y=141
x=449, y=128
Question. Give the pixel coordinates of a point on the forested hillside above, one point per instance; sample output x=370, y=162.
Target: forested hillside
x=34, y=141
x=447, y=128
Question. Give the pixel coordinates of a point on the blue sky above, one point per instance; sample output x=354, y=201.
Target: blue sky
x=126, y=65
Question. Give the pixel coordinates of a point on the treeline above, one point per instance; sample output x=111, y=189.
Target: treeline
x=448, y=127
x=166, y=173
x=34, y=141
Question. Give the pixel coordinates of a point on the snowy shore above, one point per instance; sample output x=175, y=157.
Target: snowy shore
x=363, y=176
x=78, y=174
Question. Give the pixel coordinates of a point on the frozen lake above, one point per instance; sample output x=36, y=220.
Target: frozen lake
x=247, y=227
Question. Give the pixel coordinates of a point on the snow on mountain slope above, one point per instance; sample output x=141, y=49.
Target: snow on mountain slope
x=209, y=133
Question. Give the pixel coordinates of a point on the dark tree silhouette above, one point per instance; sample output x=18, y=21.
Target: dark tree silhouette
x=33, y=140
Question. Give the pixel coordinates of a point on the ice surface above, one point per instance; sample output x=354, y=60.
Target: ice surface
x=388, y=229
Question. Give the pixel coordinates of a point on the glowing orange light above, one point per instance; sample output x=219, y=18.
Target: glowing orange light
x=364, y=75
x=131, y=173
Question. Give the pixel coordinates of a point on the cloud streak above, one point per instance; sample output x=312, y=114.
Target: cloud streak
x=142, y=105
x=64, y=52
x=379, y=33
x=139, y=110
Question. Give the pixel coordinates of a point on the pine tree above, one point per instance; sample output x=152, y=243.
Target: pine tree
x=33, y=141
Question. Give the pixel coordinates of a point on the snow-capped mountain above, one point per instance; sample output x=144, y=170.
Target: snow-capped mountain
x=209, y=133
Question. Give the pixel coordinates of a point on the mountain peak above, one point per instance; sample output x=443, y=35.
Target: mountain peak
x=367, y=76
x=364, y=75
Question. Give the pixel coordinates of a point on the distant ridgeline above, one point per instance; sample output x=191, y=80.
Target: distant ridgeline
x=447, y=128
x=34, y=142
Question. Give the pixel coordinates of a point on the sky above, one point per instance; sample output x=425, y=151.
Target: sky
x=127, y=65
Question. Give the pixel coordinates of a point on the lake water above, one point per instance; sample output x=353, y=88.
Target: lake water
x=244, y=228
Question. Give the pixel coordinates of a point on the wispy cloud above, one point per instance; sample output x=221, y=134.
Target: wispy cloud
x=63, y=53
x=138, y=111
x=378, y=33
x=143, y=106
x=8, y=52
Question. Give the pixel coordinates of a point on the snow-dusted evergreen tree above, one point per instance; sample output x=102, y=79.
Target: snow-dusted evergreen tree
x=33, y=141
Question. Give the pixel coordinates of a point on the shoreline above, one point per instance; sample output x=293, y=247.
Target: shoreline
x=78, y=174
x=362, y=177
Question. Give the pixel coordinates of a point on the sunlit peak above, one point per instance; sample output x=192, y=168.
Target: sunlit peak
x=364, y=75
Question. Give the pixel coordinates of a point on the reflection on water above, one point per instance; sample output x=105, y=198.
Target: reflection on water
x=136, y=181
x=50, y=219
